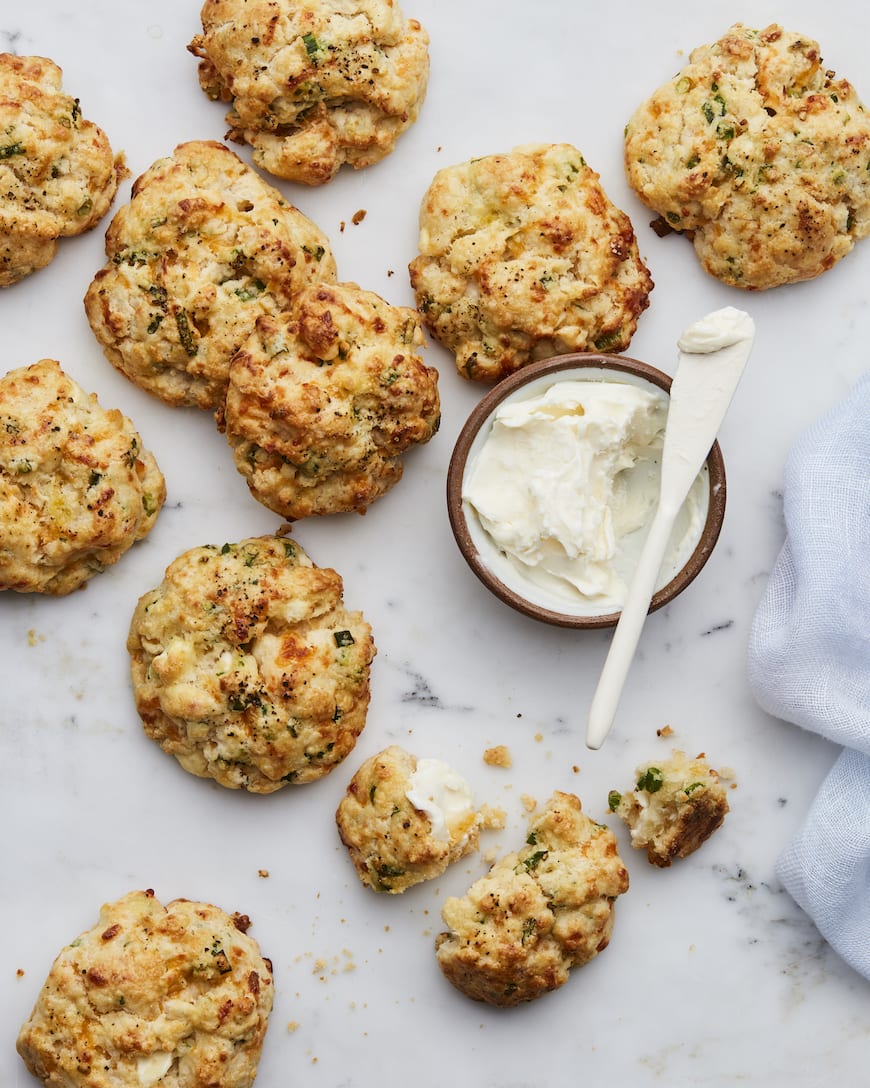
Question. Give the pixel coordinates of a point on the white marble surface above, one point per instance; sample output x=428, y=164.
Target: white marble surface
x=714, y=976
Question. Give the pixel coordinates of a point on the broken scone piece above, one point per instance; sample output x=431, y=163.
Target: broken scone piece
x=152, y=995
x=538, y=912
x=404, y=819
x=675, y=807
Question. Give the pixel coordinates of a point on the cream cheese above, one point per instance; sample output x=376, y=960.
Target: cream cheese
x=563, y=488
x=445, y=797
x=151, y=1068
x=720, y=329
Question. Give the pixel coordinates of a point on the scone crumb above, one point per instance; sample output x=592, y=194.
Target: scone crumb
x=264, y=873
x=539, y=737
x=358, y=217
x=529, y=802
x=19, y=973
x=498, y=756
x=665, y=731
x=293, y=1026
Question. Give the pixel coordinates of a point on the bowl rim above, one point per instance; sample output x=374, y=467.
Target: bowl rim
x=484, y=409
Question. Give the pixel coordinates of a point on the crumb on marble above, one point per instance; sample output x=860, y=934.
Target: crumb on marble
x=293, y=1026
x=264, y=873
x=539, y=737
x=19, y=973
x=665, y=731
x=358, y=217
x=493, y=818
x=498, y=756
x=529, y=802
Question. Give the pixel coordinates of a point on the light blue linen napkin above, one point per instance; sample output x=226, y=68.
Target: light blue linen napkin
x=809, y=663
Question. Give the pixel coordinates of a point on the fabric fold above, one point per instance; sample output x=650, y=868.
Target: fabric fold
x=809, y=663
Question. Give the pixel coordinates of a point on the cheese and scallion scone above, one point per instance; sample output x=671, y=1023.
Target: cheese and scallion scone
x=758, y=154
x=170, y=996
x=313, y=86
x=539, y=912
x=58, y=173
x=248, y=668
x=77, y=486
x=324, y=400
x=203, y=248
x=522, y=256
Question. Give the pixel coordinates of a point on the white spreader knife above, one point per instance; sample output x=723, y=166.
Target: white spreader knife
x=712, y=356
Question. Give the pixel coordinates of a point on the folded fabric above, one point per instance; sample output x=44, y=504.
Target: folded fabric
x=809, y=663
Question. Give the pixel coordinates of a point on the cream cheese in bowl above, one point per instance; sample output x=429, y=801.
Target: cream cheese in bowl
x=555, y=480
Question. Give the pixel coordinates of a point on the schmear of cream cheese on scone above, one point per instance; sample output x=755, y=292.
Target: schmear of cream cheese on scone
x=564, y=487
x=445, y=797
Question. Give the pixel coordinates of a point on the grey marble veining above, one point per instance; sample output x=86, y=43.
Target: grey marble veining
x=714, y=977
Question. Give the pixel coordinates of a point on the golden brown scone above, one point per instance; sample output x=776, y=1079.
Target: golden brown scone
x=539, y=912
x=323, y=401
x=404, y=820
x=759, y=154
x=312, y=86
x=77, y=487
x=58, y=174
x=248, y=668
x=523, y=256
x=173, y=996
x=203, y=249
x=676, y=806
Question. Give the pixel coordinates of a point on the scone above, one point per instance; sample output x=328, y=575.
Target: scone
x=313, y=86
x=675, y=807
x=248, y=668
x=758, y=154
x=203, y=249
x=324, y=401
x=173, y=996
x=404, y=819
x=539, y=912
x=77, y=487
x=522, y=257
x=58, y=174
